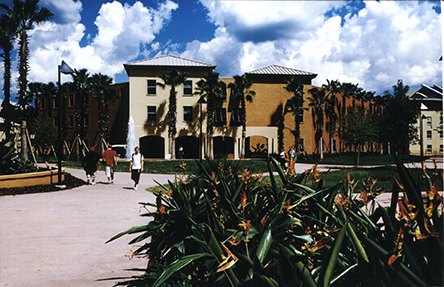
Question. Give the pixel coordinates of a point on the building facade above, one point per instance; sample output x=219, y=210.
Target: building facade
x=430, y=122
x=269, y=128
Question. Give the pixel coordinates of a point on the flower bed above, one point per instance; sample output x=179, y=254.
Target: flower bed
x=30, y=179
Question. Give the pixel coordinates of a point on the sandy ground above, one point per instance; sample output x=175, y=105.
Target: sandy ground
x=58, y=238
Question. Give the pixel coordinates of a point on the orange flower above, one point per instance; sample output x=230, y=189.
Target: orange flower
x=227, y=261
x=287, y=205
x=182, y=165
x=243, y=198
x=162, y=210
x=180, y=177
x=319, y=244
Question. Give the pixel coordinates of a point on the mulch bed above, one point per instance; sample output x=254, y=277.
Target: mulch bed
x=70, y=182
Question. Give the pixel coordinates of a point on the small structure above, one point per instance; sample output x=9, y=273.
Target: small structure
x=429, y=123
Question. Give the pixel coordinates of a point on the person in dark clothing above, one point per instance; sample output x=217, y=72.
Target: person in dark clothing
x=91, y=163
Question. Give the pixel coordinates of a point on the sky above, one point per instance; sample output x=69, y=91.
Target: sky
x=370, y=43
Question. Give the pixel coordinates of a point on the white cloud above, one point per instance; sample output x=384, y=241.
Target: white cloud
x=383, y=42
x=124, y=32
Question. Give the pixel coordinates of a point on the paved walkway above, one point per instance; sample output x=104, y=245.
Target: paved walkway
x=57, y=238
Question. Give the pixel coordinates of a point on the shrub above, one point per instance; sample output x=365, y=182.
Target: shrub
x=225, y=227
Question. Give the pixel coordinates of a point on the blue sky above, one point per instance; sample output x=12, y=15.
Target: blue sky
x=371, y=43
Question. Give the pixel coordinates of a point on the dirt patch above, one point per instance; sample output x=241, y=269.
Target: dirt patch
x=70, y=182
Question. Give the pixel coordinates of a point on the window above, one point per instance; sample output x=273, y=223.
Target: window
x=188, y=88
x=86, y=100
x=440, y=135
x=86, y=120
x=151, y=87
x=151, y=113
x=55, y=103
x=440, y=148
x=187, y=114
x=429, y=121
x=42, y=103
x=71, y=121
x=220, y=117
x=71, y=100
x=223, y=88
x=440, y=121
x=429, y=148
x=301, y=117
x=429, y=135
x=236, y=117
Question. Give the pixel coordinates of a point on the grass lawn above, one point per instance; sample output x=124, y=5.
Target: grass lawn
x=365, y=159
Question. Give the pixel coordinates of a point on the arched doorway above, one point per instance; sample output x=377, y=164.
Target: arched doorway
x=256, y=147
x=152, y=146
x=190, y=146
x=223, y=147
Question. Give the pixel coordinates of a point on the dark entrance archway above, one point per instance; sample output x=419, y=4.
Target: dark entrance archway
x=152, y=146
x=190, y=146
x=223, y=147
x=256, y=147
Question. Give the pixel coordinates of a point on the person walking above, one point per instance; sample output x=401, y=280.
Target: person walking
x=181, y=152
x=91, y=163
x=109, y=156
x=136, y=166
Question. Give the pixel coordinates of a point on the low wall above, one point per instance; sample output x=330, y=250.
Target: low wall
x=30, y=179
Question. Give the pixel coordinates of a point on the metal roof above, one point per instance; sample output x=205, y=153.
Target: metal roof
x=278, y=70
x=170, y=61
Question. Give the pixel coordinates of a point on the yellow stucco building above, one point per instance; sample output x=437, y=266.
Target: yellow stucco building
x=429, y=123
x=268, y=128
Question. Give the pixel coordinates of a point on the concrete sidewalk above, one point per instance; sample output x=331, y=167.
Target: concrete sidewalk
x=58, y=238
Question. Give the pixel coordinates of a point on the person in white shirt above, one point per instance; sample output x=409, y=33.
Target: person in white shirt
x=136, y=166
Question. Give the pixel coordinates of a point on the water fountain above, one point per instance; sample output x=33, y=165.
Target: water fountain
x=131, y=141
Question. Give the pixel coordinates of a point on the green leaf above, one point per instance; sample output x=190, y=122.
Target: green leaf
x=177, y=265
x=132, y=230
x=264, y=245
x=334, y=256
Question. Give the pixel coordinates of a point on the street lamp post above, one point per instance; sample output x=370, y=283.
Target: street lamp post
x=200, y=102
x=65, y=69
x=421, y=135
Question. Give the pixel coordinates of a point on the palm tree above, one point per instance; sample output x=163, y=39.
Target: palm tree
x=333, y=88
x=210, y=87
x=347, y=90
x=318, y=101
x=26, y=14
x=8, y=31
x=241, y=92
x=98, y=86
x=173, y=79
x=295, y=106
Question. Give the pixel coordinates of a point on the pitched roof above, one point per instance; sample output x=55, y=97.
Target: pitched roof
x=278, y=70
x=426, y=93
x=170, y=61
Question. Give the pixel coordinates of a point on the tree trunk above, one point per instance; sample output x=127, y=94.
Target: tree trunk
x=23, y=142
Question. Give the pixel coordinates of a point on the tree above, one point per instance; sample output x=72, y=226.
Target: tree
x=45, y=133
x=211, y=88
x=295, y=106
x=173, y=79
x=8, y=33
x=359, y=128
x=333, y=87
x=26, y=14
x=399, y=116
x=348, y=90
x=242, y=93
x=318, y=101
x=98, y=86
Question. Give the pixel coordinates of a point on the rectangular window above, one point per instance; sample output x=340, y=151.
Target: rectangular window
x=223, y=88
x=236, y=117
x=429, y=148
x=301, y=117
x=55, y=102
x=71, y=121
x=86, y=120
x=187, y=114
x=42, y=103
x=440, y=148
x=429, y=121
x=220, y=117
x=187, y=88
x=151, y=113
x=440, y=121
x=71, y=100
x=429, y=135
x=151, y=87
x=440, y=135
